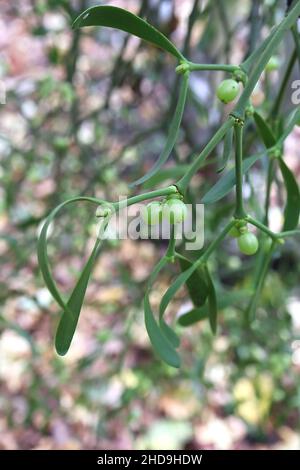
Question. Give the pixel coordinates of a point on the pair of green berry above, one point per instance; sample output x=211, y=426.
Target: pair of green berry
x=247, y=241
x=172, y=209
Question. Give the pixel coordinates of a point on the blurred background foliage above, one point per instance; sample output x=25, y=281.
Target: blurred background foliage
x=86, y=112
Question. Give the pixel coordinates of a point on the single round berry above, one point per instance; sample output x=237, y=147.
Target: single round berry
x=228, y=90
x=174, y=210
x=273, y=64
x=248, y=243
x=152, y=213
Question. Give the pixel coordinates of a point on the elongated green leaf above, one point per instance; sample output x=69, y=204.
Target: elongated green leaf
x=169, y=334
x=201, y=313
x=196, y=284
x=212, y=302
x=265, y=132
x=227, y=181
x=71, y=309
x=114, y=17
x=67, y=325
x=160, y=340
x=172, y=135
x=162, y=346
x=291, y=122
x=227, y=149
x=252, y=59
x=292, y=207
x=173, y=289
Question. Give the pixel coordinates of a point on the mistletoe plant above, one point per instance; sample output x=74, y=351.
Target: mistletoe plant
x=196, y=274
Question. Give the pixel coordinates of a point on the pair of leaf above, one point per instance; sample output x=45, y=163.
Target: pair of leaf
x=163, y=339
x=115, y=17
x=72, y=308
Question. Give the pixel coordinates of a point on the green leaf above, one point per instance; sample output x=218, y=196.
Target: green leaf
x=212, y=302
x=290, y=124
x=118, y=18
x=227, y=149
x=175, y=286
x=292, y=207
x=43, y=256
x=226, y=300
x=161, y=345
x=172, y=135
x=67, y=325
x=169, y=334
x=196, y=284
x=252, y=59
x=265, y=132
x=160, y=340
x=227, y=181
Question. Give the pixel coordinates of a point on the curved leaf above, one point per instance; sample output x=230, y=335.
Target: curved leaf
x=196, y=284
x=175, y=286
x=292, y=207
x=172, y=135
x=46, y=272
x=162, y=346
x=160, y=340
x=291, y=122
x=227, y=181
x=264, y=131
x=67, y=324
x=114, y=17
x=212, y=302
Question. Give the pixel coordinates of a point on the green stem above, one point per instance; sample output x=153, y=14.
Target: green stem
x=288, y=233
x=203, y=259
x=170, y=253
x=224, y=67
x=268, y=189
x=183, y=183
x=239, y=207
x=262, y=61
x=143, y=197
x=262, y=227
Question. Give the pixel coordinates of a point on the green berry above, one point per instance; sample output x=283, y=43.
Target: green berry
x=248, y=243
x=151, y=214
x=174, y=210
x=273, y=64
x=228, y=90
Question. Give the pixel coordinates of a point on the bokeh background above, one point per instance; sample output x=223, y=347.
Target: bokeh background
x=87, y=112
